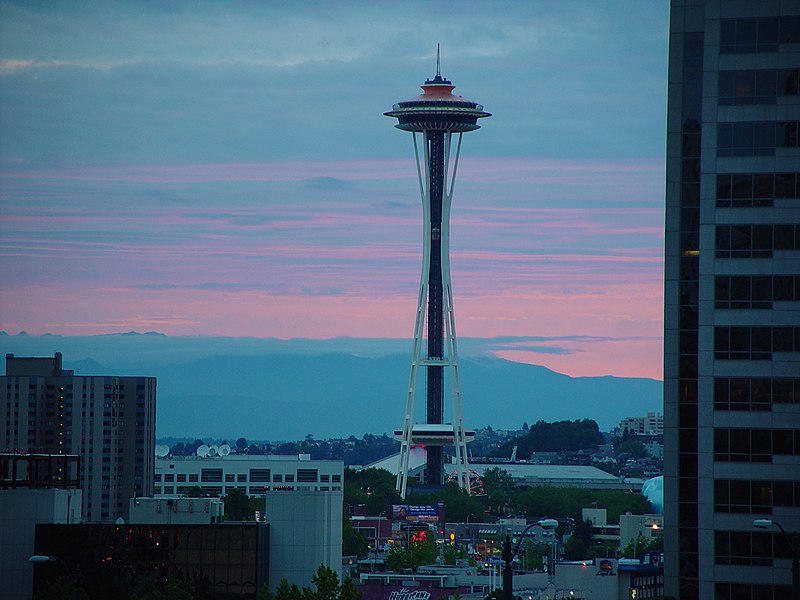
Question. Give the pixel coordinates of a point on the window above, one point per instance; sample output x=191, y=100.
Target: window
x=754, y=445
x=736, y=190
x=749, y=292
x=755, y=241
x=754, y=497
x=259, y=475
x=743, y=548
x=755, y=138
x=193, y=478
x=743, y=36
x=748, y=591
x=754, y=393
x=754, y=343
x=211, y=475
x=307, y=475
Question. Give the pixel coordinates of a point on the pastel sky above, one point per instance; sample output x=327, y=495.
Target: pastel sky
x=224, y=168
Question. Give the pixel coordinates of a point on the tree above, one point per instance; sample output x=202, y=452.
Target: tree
x=348, y=591
x=63, y=588
x=327, y=587
x=633, y=447
x=641, y=545
x=375, y=488
x=173, y=590
x=326, y=582
x=256, y=503
x=284, y=591
x=194, y=491
x=499, y=487
x=461, y=506
x=237, y=506
x=353, y=541
x=579, y=544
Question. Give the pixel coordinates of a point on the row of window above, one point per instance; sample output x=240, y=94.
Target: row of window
x=255, y=476
x=754, y=497
x=755, y=445
x=755, y=291
x=756, y=189
x=754, y=393
x=750, y=591
x=743, y=548
x=756, y=35
x=754, y=343
x=761, y=86
x=756, y=138
x=218, y=490
x=755, y=241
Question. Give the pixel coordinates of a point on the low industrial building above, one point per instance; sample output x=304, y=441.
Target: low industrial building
x=255, y=475
x=526, y=473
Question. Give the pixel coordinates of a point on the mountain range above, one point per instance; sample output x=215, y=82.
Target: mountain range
x=269, y=389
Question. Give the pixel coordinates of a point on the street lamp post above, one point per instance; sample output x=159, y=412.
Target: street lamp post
x=508, y=554
x=794, y=544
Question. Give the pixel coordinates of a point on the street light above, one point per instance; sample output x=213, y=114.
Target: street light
x=508, y=554
x=794, y=544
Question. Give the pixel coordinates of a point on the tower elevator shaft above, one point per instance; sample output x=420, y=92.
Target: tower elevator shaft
x=435, y=317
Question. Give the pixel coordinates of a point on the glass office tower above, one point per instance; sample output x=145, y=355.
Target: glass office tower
x=732, y=298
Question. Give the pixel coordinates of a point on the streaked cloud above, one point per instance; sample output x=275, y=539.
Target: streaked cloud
x=236, y=175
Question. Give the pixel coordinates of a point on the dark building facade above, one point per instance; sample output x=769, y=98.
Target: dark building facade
x=108, y=421
x=222, y=561
x=732, y=298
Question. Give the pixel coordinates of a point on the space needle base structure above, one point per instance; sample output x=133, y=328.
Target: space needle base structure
x=437, y=120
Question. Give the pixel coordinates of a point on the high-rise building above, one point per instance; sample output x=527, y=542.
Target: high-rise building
x=108, y=421
x=732, y=299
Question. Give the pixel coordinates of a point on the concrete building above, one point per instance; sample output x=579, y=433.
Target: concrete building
x=652, y=424
x=108, y=421
x=255, y=475
x=177, y=511
x=732, y=297
x=305, y=532
x=34, y=490
x=303, y=503
x=107, y=560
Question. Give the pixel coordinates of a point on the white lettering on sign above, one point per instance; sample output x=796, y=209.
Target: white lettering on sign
x=404, y=594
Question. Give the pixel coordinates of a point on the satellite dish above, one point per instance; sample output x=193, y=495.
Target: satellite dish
x=224, y=450
x=202, y=451
x=212, y=450
x=162, y=450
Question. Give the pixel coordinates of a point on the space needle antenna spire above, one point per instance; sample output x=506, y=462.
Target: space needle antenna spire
x=437, y=120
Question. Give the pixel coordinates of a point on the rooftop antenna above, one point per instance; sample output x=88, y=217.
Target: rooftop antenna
x=438, y=65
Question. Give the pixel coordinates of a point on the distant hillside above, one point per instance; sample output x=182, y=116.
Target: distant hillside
x=269, y=389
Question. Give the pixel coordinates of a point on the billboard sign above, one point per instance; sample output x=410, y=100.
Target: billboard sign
x=415, y=512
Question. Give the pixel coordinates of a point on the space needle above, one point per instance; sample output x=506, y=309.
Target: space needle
x=440, y=118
